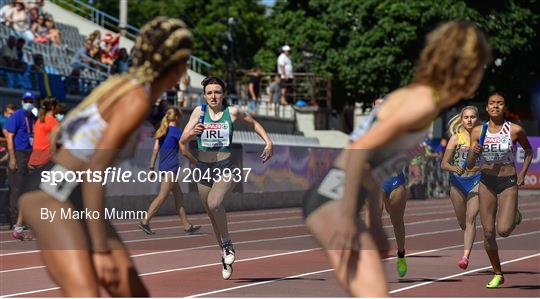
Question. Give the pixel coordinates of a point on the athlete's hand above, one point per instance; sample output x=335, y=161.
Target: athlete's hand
x=267, y=153
x=106, y=269
x=458, y=170
x=520, y=179
x=197, y=130
x=346, y=236
x=12, y=164
x=477, y=148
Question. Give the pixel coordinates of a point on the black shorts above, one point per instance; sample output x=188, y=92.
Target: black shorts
x=498, y=184
x=286, y=83
x=321, y=192
x=213, y=175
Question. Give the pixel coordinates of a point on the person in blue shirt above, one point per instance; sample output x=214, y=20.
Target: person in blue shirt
x=167, y=144
x=19, y=127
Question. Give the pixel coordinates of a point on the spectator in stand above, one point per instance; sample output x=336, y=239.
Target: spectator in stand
x=18, y=20
x=186, y=95
x=37, y=4
x=41, y=150
x=19, y=127
x=40, y=30
x=93, y=45
x=20, y=52
x=109, y=48
x=254, y=88
x=274, y=92
x=121, y=64
x=5, y=11
x=39, y=66
x=285, y=69
x=81, y=58
x=33, y=15
x=8, y=53
x=53, y=33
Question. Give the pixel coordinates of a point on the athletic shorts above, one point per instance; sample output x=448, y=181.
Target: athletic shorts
x=213, y=174
x=465, y=184
x=498, y=184
x=330, y=187
x=393, y=183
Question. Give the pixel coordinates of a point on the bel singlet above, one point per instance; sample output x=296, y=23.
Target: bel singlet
x=498, y=147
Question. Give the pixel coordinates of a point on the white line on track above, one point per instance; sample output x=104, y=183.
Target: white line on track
x=270, y=281
x=461, y=274
x=292, y=226
x=329, y=270
x=279, y=219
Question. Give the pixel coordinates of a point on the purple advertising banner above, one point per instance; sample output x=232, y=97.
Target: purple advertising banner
x=532, y=179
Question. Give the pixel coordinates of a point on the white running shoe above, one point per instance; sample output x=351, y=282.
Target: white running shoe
x=227, y=270
x=228, y=253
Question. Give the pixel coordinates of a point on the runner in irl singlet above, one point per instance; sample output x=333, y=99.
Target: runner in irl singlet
x=167, y=143
x=464, y=183
x=215, y=172
x=85, y=254
x=450, y=68
x=499, y=178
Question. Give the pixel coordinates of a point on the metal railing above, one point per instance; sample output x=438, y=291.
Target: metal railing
x=112, y=23
x=24, y=79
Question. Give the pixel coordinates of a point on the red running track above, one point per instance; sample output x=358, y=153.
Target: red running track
x=276, y=257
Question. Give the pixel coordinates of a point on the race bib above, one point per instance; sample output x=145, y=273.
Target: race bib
x=215, y=135
x=333, y=184
x=61, y=190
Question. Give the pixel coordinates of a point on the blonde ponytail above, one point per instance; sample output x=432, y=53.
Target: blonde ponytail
x=455, y=125
x=172, y=114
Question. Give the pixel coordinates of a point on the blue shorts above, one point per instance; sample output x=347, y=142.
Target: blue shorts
x=465, y=184
x=393, y=183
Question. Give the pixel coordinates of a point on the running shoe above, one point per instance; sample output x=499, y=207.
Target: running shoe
x=518, y=217
x=401, y=266
x=228, y=253
x=497, y=280
x=146, y=228
x=227, y=270
x=463, y=263
x=20, y=233
x=192, y=229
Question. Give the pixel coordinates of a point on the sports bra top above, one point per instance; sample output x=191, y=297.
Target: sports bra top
x=498, y=147
x=394, y=156
x=81, y=132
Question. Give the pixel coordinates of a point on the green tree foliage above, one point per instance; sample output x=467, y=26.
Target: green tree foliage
x=369, y=47
x=208, y=21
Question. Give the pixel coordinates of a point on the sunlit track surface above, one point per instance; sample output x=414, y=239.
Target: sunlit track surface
x=276, y=257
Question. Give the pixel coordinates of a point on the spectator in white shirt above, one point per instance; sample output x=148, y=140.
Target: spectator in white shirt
x=285, y=70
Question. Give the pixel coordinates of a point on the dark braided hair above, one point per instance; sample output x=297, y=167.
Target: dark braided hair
x=159, y=46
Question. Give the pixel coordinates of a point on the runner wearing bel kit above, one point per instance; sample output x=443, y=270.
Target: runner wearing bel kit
x=499, y=181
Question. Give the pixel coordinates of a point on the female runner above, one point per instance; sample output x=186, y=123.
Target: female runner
x=499, y=178
x=463, y=182
x=214, y=162
x=82, y=254
x=450, y=68
x=167, y=144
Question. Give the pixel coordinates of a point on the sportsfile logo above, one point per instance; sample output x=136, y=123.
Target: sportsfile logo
x=60, y=175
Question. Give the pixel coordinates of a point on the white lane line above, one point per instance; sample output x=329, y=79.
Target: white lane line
x=461, y=274
x=329, y=270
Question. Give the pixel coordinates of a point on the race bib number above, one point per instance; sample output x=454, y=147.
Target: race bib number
x=59, y=190
x=215, y=135
x=333, y=184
